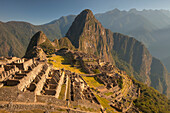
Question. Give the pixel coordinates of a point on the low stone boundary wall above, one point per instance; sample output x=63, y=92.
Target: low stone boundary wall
x=27, y=63
x=6, y=74
x=86, y=104
x=41, y=83
x=51, y=100
x=12, y=107
x=24, y=82
x=12, y=94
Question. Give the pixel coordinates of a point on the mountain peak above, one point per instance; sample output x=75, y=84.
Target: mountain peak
x=133, y=10
x=39, y=38
x=83, y=21
x=40, y=32
x=36, y=40
x=87, y=14
x=88, y=11
x=88, y=35
x=116, y=9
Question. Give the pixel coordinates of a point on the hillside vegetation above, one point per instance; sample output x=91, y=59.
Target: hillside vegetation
x=150, y=100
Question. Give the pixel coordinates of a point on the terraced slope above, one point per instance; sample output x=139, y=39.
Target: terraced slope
x=88, y=35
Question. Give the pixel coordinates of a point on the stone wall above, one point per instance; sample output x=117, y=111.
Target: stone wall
x=27, y=63
x=40, y=84
x=12, y=94
x=6, y=74
x=30, y=77
x=23, y=64
x=67, y=79
x=13, y=107
x=86, y=104
x=2, y=69
x=51, y=100
x=60, y=85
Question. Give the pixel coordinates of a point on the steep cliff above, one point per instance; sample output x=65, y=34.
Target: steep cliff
x=39, y=41
x=133, y=52
x=159, y=76
x=142, y=65
x=88, y=35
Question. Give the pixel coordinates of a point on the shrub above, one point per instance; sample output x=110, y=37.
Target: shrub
x=96, y=71
x=120, y=83
x=47, y=47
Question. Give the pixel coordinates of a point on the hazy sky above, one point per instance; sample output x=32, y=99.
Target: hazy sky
x=44, y=11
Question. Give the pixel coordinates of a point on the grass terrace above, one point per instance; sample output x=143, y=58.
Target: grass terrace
x=62, y=93
x=63, y=62
x=105, y=103
x=92, y=82
x=68, y=89
x=108, y=93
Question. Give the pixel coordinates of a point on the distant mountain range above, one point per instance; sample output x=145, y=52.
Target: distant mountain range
x=149, y=26
x=88, y=35
x=15, y=36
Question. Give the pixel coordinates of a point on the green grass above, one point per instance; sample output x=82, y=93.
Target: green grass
x=96, y=71
x=62, y=93
x=105, y=103
x=92, y=82
x=87, y=109
x=68, y=89
x=108, y=93
x=63, y=62
x=3, y=111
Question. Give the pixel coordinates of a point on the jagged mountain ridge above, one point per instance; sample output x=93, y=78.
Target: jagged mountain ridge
x=40, y=43
x=125, y=47
x=34, y=47
x=166, y=61
x=120, y=21
x=148, y=26
x=18, y=40
x=94, y=39
x=90, y=36
x=127, y=94
x=15, y=36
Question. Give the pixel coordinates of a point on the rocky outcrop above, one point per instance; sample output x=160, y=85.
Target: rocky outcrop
x=88, y=35
x=38, y=45
x=133, y=52
x=63, y=43
x=146, y=68
x=36, y=40
x=159, y=76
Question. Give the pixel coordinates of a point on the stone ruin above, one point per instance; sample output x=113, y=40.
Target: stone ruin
x=114, y=80
x=88, y=62
x=80, y=90
x=121, y=98
x=35, y=81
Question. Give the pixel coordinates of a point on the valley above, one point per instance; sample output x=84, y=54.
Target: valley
x=91, y=69
x=51, y=84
